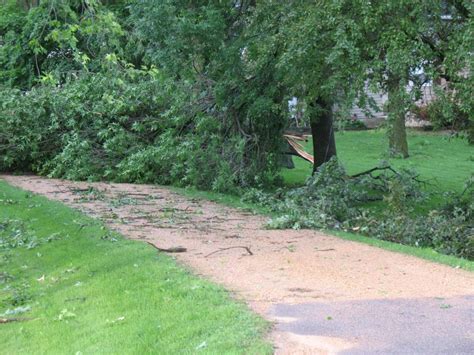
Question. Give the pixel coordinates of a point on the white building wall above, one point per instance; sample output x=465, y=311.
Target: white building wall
x=380, y=99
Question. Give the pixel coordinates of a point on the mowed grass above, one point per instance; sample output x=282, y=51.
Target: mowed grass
x=92, y=291
x=446, y=163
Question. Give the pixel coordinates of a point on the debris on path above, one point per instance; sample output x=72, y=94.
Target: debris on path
x=325, y=294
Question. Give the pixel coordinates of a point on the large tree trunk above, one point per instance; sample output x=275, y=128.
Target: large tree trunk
x=322, y=130
x=398, y=143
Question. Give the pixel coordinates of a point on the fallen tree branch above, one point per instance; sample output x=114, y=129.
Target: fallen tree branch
x=80, y=190
x=141, y=194
x=378, y=177
x=370, y=199
x=10, y=320
x=169, y=250
x=377, y=168
x=247, y=249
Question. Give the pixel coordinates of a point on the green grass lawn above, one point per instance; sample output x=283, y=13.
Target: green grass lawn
x=89, y=290
x=445, y=162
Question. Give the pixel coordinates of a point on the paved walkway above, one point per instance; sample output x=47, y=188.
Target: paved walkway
x=325, y=294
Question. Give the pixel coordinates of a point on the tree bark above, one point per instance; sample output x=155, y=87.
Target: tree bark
x=398, y=143
x=28, y=4
x=322, y=130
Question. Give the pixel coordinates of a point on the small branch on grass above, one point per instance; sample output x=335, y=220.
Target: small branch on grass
x=82, y=299
x=247, y=249
x=82, y=226
x=169, y=250
x=370, y=199
x=10, y=320
x=330, y=249
x=389, y=168
x=368, y=172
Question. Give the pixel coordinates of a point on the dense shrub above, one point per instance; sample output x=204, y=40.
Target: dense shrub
x=443, y=112
x=350, y=124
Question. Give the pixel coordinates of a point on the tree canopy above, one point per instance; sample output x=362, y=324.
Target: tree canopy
x=198, y=91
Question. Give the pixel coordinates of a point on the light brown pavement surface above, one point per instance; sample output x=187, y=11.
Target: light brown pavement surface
x=324, y=294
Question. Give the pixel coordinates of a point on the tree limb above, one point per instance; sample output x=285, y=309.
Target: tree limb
x=247, y=249
x=169, y=250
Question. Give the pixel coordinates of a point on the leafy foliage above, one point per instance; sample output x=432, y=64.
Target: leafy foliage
x=196, y=94
x=55, y=40
x=331, y=199
x=445, y=112
x=13, y=234
x=106, y=118
x=122, y=125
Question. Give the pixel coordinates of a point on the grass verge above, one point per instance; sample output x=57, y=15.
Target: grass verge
x=77, y=287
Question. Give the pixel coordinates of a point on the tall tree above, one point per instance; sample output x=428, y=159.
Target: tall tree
x=205, y=46
x=319, y=58
x=409, y=37
x=397, y=50
x=452, y=41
